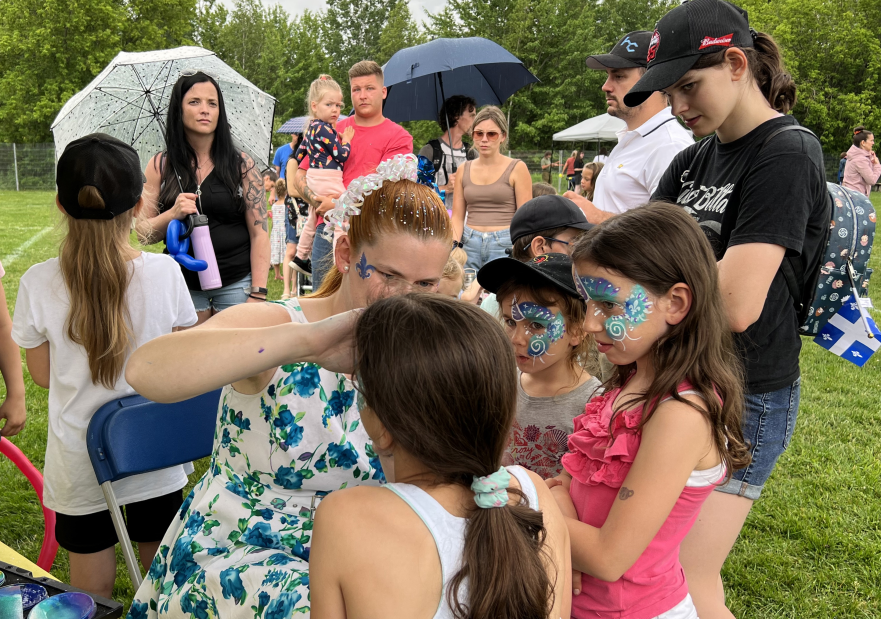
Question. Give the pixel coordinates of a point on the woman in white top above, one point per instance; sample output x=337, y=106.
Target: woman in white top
x=454, y=534
x=79, y=317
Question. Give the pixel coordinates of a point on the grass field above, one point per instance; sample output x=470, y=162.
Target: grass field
x=811, y=547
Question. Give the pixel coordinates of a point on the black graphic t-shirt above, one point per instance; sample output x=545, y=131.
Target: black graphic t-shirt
x=776, y=195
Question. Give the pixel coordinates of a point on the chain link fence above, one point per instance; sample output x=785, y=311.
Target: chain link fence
x=26, y=167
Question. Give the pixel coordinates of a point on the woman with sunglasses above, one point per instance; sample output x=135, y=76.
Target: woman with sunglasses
x=202, y=171
x=488, y=191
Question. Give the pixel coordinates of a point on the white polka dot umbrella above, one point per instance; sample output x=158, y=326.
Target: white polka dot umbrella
x=129, y=100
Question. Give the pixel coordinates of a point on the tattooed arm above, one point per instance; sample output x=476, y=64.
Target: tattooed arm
x=322, y=204
x=257, y=222
x=676, y=440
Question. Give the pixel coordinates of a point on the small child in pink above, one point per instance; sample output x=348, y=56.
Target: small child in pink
x=327, y=151
x=646, y=454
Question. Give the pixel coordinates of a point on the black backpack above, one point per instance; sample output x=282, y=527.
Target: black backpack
x=437, y=155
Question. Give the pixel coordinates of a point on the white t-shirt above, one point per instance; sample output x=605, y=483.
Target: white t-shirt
x=601, y=158
x=635, y=166
x=158, y=300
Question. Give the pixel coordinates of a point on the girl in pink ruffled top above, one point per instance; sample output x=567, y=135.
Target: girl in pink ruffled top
x=645, y=455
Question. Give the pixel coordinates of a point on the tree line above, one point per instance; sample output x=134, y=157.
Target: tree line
x=50, y=49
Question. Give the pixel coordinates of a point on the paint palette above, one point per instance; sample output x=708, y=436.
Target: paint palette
x=31, y=594
x=70, y=605
x=40, y=598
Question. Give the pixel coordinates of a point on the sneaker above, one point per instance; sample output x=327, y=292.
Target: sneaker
x=301, y=266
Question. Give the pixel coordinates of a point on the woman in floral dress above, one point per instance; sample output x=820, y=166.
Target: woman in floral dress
x=288, y=430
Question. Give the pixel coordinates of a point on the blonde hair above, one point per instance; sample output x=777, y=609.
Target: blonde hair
x=365, y=68
x=397, y=207
x=460, y=256
x=491, y=112
x=596, y=167
x=96, y=274
x=453, y=270
x=281, y=188
x=317, y=89
x=543, y=189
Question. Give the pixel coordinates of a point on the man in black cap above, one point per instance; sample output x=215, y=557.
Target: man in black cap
x=543, y=225
x=645, y=147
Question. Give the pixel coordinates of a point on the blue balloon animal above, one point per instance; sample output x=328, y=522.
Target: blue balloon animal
x=177, y=240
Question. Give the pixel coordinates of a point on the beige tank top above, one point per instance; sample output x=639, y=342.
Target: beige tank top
x=489, y=206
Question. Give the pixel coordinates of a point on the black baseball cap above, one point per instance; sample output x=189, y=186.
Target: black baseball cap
x=546, y=212
x=627, y=53
x=683, y=35
x=544, y=269
x=109, y=165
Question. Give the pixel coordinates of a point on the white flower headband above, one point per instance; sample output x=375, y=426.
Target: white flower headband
x=398, y=168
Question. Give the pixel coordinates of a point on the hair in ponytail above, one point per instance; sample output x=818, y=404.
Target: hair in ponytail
x=457, y=423
x=317, y=89
x=766, y=66
x=96, y=274
x=860, y=135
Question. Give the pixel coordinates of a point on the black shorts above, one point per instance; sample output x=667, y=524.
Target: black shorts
x=146, y=521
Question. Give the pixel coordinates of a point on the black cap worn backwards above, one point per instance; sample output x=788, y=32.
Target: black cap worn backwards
x=109, y=165
x=683, y=35
x=547, y=212
x=627, y=53
x=543, y=270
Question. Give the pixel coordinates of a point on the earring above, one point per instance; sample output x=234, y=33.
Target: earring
x=346, y=269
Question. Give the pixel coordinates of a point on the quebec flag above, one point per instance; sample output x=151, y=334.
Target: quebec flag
x=845, y=335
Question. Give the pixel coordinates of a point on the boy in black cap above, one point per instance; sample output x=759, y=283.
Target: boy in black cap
x=543, y=225
x=543, y=317
x=648, y=144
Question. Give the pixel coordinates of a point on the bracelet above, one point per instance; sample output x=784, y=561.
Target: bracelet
x=458, y=244
x=258, y=298
x=259, y=290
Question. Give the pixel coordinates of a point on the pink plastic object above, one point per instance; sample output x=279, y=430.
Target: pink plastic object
x=50, y=546
x=209, y=279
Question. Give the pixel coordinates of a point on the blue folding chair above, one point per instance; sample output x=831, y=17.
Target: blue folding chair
x=134, y=435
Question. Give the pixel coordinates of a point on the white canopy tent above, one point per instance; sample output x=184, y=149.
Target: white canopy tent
x=596, y=129
x=602, y=127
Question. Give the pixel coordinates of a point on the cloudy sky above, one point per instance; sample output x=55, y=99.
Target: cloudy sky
x=417, y=7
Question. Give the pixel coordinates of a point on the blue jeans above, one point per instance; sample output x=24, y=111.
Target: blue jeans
x=220, y=299
x=322, y=256
x=768, y=424
x=483, y=247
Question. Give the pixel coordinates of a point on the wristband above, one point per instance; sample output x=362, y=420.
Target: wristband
x=258, y=298
x=259, y=290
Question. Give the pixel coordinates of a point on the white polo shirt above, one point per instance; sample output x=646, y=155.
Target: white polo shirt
x=636, y=165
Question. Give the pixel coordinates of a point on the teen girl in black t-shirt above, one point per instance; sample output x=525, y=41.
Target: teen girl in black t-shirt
x=757, y=202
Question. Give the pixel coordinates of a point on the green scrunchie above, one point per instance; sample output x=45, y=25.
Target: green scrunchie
x=492, y=490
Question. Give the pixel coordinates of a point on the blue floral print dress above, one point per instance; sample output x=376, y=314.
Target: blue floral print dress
x=240, y=546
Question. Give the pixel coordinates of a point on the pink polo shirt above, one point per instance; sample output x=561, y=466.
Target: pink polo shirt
x=370, y=147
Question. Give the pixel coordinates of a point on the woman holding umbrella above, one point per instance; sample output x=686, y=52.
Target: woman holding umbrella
x=201, y=171
x=489, y=190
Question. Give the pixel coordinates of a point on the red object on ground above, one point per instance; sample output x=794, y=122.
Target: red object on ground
x=50, y=546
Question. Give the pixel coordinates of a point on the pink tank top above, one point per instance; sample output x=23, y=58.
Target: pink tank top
x=656, y=582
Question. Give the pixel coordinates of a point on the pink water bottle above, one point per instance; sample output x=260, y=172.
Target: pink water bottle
x=209, y=279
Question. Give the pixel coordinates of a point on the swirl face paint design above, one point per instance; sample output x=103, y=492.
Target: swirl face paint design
x=620, y=318
x=554, y=326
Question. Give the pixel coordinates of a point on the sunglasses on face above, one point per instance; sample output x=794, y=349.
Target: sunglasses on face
x=492, y=136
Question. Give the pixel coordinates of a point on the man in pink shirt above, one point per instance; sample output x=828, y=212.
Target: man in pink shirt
x=376, y=139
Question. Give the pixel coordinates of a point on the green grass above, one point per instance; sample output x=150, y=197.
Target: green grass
x=810, y=547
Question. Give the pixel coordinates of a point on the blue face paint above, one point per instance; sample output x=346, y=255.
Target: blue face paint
x=363, y=268
x=620, y=318
x=554, y=325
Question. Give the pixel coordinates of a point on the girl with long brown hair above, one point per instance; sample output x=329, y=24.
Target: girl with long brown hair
x=79, y=317
x=666, y=431
x=454, y=535
x=289, y=428
x=757, y=188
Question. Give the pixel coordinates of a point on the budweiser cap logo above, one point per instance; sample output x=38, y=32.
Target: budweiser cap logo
x=724, y=41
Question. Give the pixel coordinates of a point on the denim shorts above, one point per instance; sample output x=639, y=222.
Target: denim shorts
x=483, y=247
x=290, y=233
x=220, y=299
x=768, y=424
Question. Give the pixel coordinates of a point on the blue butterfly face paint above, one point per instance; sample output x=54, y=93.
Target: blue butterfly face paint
x=364, y=269
x=621, y=318
x=543, y=326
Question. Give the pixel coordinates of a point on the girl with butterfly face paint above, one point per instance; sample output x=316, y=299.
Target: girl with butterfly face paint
x=647, y=454
x=543, y=319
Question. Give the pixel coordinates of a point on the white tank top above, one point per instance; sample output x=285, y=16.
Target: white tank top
x=448, y=530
